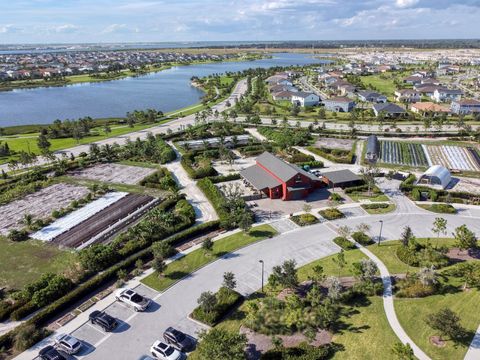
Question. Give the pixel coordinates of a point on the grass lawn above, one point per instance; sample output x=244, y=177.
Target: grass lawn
x=198, y=258
x=390, y=208
x=24, y=262
x=385, y=86
x=368, y=334
x=365, y=196
x=412, y=313
x=387, y=253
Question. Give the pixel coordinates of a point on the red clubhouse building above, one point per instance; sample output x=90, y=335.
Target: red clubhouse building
x=279, y=179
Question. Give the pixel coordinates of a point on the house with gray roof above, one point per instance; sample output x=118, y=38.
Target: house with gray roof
x=388, y=109
x=278, y=179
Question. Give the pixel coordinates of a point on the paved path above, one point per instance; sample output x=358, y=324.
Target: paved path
x=203, y=209
x=473, y=352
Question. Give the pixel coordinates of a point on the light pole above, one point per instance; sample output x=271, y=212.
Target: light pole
x=380, y=236
x=263, y=265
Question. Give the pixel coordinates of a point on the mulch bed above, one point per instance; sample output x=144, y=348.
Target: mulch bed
x=436, y=341
x=260, y=343
x=457, y=255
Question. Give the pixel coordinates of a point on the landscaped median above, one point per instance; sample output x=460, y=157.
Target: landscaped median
x=198, y=258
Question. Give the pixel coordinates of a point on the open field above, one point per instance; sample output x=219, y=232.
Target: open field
x=453, y=157
x=115, y=173
x=402, y=153
x=26, y=261
x=39, y=204
x=332, y=143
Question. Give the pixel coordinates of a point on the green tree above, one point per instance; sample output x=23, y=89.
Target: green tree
x=439, y=227
x=207, y=301
x=43, y=143
x=159, y=265
x=229, y=280
x=207, y=245
x=284, y=275
x=407, y=236
x=465, y=238
x=219, y=344
x=163, y=249
x=447, y=323
x=403, y=352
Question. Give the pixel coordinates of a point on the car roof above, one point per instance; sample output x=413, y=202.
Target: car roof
x=161, y=345
x=129, y=292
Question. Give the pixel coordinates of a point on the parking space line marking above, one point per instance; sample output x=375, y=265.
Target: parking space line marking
x=95, y=328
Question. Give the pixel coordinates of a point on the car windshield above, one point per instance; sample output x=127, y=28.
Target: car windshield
x=169, y=351
x=137, y=298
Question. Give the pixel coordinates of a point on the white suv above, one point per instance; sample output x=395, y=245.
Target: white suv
x=132, y=299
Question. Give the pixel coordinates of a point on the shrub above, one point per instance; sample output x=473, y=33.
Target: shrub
x=362, y=238
x=17, y=235
x=304, y=219
x=416, y=195
x=227, y=299
x=27, y=336
x=161, y=179
x=331, y=214
x=422, y=255
x=336, y=197
x=375, y=206
x=442, y=208
x=225, y=178
x=302, y=351
x=344, y=243
x=412, y=287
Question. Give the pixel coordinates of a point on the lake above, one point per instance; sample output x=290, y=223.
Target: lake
x=166, y=91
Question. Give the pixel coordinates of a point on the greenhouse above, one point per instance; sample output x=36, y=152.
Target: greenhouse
x=436, y=175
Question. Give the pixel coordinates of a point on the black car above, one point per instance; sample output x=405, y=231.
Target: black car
x=177, y=339
x=102, y=319
x=50, y=353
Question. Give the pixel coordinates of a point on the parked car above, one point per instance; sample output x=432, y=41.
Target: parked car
x=102, y=319
x=68, y=344
x=161, y=350
x=177, y=339
x=50, y=353
x=132, y=299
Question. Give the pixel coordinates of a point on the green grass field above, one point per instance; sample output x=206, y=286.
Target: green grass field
x=198, y=258
x=387, y=253
x=330, y=267
x=364, y=196
x=412, y=313
x=385, y=86
x=24, y=262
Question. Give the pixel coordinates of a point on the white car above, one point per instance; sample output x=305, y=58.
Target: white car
x=161, y=350
x=68, y=343
x=132, y=299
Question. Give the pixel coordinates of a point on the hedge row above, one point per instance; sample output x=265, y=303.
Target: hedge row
x=375, y=206
x=213, y=195
x=196, y=173
x=49, y=312
x=227, y=299
x=224, y=178
x=312, y=164
x=362, y=238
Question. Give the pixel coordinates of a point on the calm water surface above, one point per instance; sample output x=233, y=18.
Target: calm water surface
x=166, y=90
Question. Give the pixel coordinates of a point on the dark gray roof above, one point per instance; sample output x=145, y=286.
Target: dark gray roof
x=389, y=108
x=372, y=144
x=341, y=176
x=259, y=178
x=280, y=168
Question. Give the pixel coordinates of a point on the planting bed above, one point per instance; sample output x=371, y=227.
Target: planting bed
x=115, y=173
x=102, y=220
x=402, y=153
x=39, y=204
x=453, y=157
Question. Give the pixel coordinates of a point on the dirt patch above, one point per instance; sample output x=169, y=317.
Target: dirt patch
x=260, y=343
x=39, y=204
x=457, y=255
x=436, y=341
x=114, y=173
x=331, y=143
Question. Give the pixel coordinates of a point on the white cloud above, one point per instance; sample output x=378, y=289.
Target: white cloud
x=9, y=28
x=66, y=28
x=405, y=3
x=120, y=28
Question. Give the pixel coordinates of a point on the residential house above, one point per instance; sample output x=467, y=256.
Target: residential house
x=427, y=90
x=339, y=104
x=430, y=108
x=388, y=110
x=371, y=96
x=413, y=80
x=283, y=95
x=303, y=99
x=465, y=106
x=407, y=96
x=278, y=179
x=278, y=88
x=447, y=95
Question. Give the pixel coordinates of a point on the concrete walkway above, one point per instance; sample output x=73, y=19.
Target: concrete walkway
x=473, y=352
x=203, y=209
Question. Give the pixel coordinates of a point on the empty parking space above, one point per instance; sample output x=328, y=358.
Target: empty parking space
x=89, y=333
x=284, y=225
x=146, y=291
x=119, y=311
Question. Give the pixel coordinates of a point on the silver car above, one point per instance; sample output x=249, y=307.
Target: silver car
x=68, y=343
x=132, y=299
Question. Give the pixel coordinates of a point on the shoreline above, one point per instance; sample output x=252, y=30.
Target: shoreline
x=125, y=73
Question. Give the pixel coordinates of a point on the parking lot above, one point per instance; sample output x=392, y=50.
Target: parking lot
x=92, y=336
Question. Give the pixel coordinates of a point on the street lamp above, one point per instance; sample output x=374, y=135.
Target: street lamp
x=380, y=236
x=263, y=265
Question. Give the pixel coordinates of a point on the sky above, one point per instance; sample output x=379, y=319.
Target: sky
x=77, y=21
